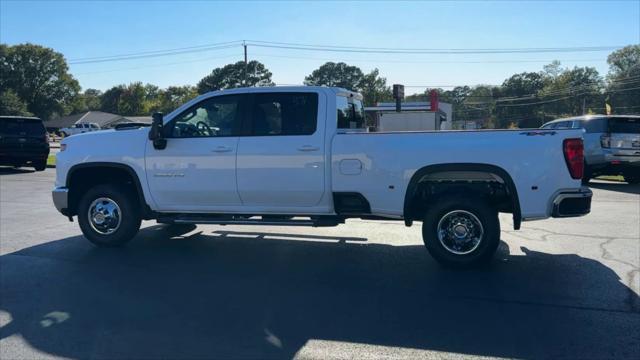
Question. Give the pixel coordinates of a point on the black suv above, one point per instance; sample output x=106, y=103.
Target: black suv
x=23, y=140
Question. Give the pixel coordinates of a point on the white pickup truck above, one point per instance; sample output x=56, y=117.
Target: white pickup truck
x=79, y=128
x=300, y=156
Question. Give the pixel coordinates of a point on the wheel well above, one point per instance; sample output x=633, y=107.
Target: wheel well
x=489, y=182
x=85, y=176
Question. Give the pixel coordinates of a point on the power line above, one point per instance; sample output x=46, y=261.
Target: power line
x=425, y=61
x=623, y=81
x=147, y=55
x=158, y=65
x=560, y=99
x=157, y=51
x=359, y=49
x=331, y=48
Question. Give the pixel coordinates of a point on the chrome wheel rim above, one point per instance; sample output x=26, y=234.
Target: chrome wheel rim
x=104, y=216
x=460, y=232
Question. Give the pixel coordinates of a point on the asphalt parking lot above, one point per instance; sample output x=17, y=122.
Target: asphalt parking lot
x=559, y=288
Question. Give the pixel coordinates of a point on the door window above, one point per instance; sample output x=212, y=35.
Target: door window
x=214, y=117
x=284, y=114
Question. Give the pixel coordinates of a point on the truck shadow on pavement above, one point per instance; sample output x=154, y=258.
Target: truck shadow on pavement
x=619, y=187
x=230, y=294
x=14, y=171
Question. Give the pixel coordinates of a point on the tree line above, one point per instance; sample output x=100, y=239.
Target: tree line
x=36, y=81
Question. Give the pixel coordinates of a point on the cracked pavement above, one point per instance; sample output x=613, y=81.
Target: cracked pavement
x=558, y=288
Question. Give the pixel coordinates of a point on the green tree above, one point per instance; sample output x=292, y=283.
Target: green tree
x=515, y=96
x=110, y=100
x=573, y=92
x=92, y=99
x=374, y=88
x=233, y=75
x=174, y=96
x=40, y=78
x=624, y=80
x=336, y=74
x=133, y=100
x=11, y=104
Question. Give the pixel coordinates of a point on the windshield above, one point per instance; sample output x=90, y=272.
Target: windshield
x=624, y=125
x=21, y=127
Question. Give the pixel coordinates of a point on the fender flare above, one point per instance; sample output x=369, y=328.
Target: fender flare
x=430, y=169
x=147, y=213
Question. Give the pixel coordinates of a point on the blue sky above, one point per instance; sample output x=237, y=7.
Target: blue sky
x=88, y=29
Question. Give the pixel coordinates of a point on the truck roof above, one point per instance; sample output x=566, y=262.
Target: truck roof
x=299, y=88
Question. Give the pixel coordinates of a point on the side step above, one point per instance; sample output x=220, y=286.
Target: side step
x=249, y=220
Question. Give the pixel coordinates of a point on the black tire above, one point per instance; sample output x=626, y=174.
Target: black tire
x=473, y=253
x=129, y=215
x=40, y=165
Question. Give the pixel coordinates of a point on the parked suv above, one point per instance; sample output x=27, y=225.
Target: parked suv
x=23, y=140
x=611, y=144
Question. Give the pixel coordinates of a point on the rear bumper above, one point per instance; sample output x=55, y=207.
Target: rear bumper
x=16, y=157
x=572, y=203
x=61, y=199
x=630, y=158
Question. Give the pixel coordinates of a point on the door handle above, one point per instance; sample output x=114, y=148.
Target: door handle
x=221, y=149
x=308, y=148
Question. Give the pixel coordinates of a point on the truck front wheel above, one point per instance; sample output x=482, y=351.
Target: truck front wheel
x=461, y=232
x=108, y=215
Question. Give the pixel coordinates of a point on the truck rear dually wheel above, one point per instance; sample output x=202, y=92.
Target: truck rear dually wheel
x=461, y=232
x=108, y=215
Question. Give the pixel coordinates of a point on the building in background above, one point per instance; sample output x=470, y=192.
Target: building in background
x=413, y=116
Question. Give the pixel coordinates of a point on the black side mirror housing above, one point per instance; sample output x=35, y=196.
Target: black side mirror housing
x=156, y=134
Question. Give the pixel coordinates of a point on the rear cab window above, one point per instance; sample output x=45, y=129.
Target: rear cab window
x=350, y=113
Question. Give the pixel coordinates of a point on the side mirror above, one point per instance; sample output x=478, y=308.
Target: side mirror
x=156, y=134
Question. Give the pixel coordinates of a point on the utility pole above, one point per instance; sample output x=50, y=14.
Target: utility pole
x=584, y=105
x=244, y=44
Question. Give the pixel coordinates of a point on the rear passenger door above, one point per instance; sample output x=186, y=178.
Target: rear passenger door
x=281, y=155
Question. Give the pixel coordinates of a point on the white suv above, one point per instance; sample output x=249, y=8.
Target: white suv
x=611, y=144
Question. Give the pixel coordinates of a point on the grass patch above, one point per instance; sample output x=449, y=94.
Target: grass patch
x=611, y=178
x=51, y=160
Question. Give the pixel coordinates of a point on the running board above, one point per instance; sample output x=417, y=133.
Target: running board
x=212, y=220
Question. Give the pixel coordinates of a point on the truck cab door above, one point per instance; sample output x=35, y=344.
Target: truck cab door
x=197, y=169
x=281, y=156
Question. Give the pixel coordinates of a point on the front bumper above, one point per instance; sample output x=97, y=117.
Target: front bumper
x=572, y=203
x=61, y=199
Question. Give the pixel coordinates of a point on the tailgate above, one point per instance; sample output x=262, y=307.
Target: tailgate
x=625, y=135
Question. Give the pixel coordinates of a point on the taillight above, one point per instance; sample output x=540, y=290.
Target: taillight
x=574, y=156
x=605, y=141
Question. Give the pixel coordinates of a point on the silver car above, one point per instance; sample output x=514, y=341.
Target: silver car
x=611, y=144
